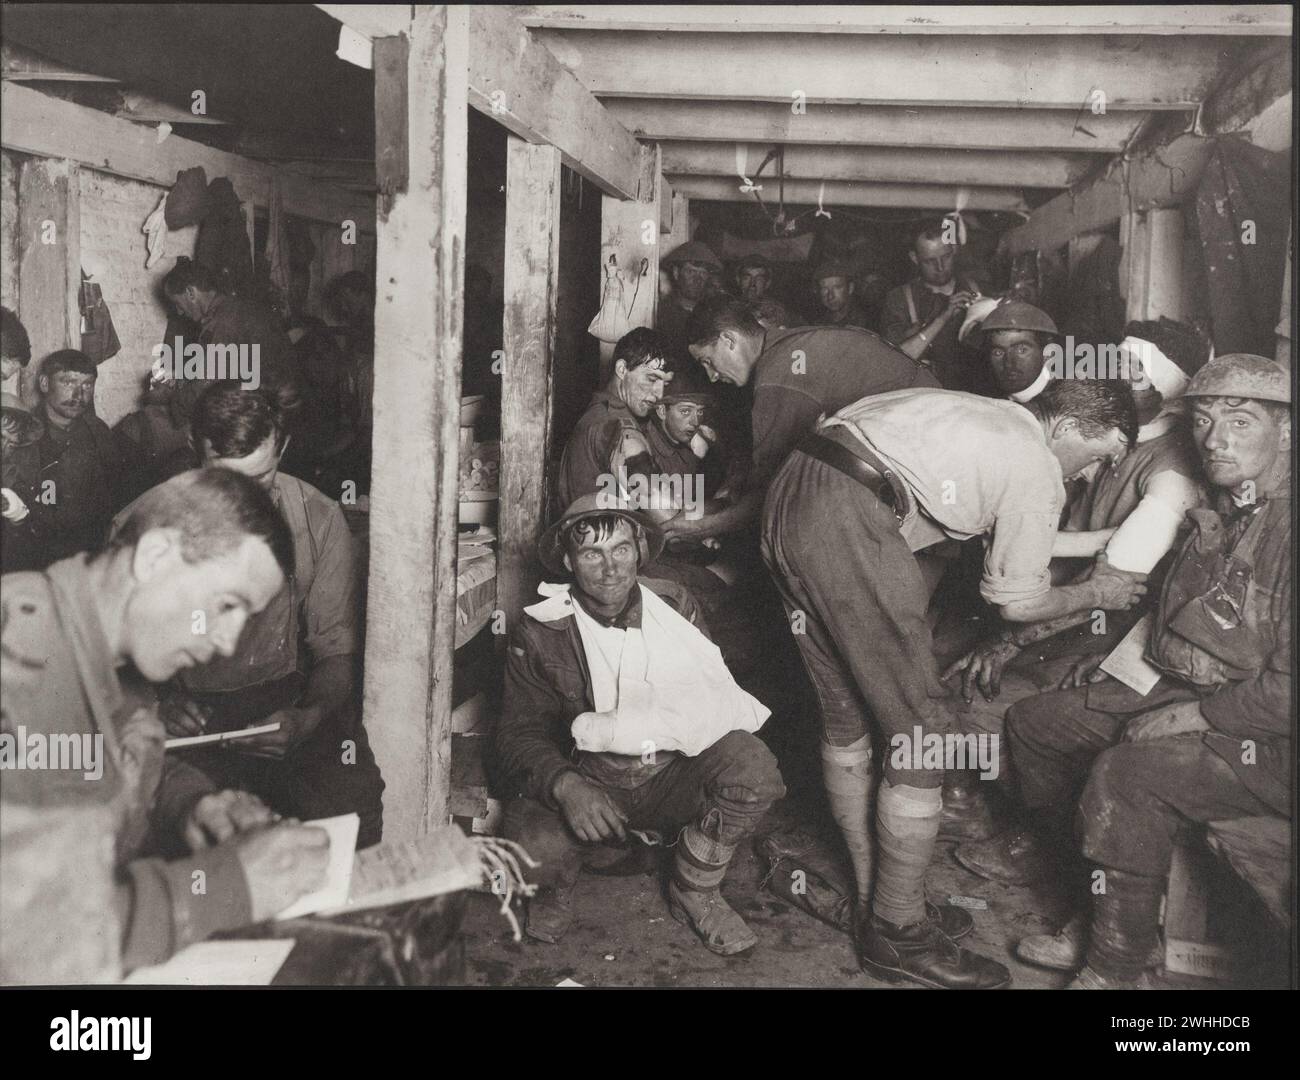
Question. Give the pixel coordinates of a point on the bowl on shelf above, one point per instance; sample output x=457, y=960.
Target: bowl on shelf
x=478, y=507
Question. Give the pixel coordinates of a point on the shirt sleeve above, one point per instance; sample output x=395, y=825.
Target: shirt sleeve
x=894, y=322
x=331, y=607
x=781, y=417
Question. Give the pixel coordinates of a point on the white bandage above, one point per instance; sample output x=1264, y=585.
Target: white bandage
x=1163, y=373
x=1144, y=538
x=1034, y=388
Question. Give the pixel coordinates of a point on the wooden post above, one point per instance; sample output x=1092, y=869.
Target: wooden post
x=630, y=232
x=1153, y=263
x=411, y=609
x=49, y=261
x=532, y=266
x=680, y=230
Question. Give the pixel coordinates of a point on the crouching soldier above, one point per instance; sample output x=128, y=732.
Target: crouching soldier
x=620, y=717
x=1212, y=739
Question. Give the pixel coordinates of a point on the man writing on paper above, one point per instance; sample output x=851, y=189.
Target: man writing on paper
x=295, y=661
x=206, y=546
x=620, y=716
x=1212, y=738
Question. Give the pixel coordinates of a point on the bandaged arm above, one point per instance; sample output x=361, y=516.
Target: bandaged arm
x=1147, y=535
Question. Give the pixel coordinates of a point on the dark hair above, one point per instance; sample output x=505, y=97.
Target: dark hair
x=931, y=230
x=1183, y=344
x=215, y=511
x=754, y=262
x=640, y=346
x=187, y=272
x=14, y=342
x=1097, y=404
x=67, y=360
x=234, y=421
x=603, y=526
x=720, y=313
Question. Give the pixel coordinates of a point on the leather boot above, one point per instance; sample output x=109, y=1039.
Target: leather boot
x=1065, y=950
x=923, y=954
x=694, y=897
x=953, y=922
x=967, y=812
x=1125, y=927
x=550, y=911
x=1017, y=857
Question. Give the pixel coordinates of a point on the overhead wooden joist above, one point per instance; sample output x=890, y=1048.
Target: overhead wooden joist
x=1181, y=19
x=877, y=125
x=887, y=164
x=848, y=193
x=34, y=123
x=519, y=84
x=1161, y=177
x=1030, y=72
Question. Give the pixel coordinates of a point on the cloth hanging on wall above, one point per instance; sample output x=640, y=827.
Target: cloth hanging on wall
x=99, y=339
x=1243, y=209
x=222, y=244
x=188, y=202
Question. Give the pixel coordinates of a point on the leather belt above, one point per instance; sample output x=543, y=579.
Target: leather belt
x=880, y=480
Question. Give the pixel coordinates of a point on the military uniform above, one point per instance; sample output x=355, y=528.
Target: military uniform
x=60, y=678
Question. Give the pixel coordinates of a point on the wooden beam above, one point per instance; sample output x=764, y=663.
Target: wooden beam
x=1027, y=72
x=934, y=127
x=532, y=268
x=889, y=164
x=1183, y=19
x=630, y=234
x=680, y=231
x=844, y=193
x=411, y=606
x=1154, y=264
x=519, y=84
x=49, y=261
x=32, y=123
x=1162, y=177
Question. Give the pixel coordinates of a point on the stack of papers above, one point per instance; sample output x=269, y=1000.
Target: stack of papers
x=218, y=963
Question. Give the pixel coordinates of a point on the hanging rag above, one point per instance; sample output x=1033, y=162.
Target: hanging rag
x=614, y=319
x=189, y=200
x=99, y=339
x=222, y=245
x=155, y=229
x=277, y=240
x=671, y=689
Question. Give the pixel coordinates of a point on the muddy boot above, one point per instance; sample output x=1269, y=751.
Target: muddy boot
x=1124, y=933
x=694, y=898
x=967, y=812
x=1017, y=857
x=1062, y=951
x=923, y=954
x=953, y=921
x=550, y=912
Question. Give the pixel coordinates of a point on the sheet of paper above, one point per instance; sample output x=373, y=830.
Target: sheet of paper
x=219, y=963
x=396, y=871
x=182, y=741
x=1126, y=662
x=338, y=878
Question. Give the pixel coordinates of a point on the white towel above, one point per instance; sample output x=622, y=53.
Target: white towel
x=155, y=226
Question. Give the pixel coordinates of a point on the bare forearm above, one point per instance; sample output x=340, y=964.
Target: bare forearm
x=1027, y=634
x=734, y=518
x=1057, y=602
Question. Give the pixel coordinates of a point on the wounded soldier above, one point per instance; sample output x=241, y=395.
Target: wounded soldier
x=621, y=717
x=1211, y=740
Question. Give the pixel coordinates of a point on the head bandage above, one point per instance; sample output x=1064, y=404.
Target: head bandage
x=1163, y=373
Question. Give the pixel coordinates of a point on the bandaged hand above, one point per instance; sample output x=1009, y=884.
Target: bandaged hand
x=14, y=507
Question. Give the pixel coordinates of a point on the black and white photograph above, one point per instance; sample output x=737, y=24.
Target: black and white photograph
x=646, y=497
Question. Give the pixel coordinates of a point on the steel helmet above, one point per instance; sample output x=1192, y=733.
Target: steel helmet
x=1017, y=315
x=1242, y=375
